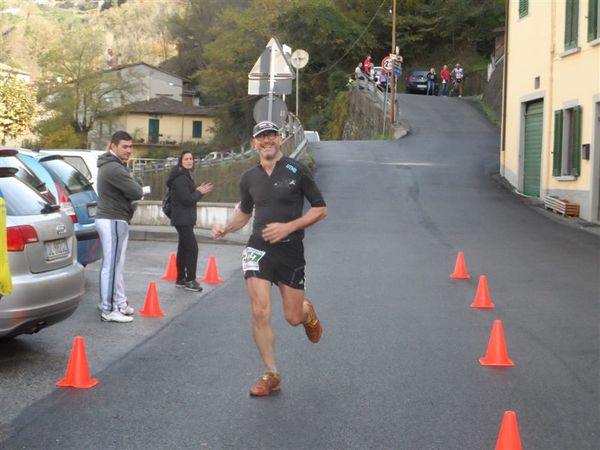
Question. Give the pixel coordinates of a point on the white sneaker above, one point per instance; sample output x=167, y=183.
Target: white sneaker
x=126, y=309
x=115, y=316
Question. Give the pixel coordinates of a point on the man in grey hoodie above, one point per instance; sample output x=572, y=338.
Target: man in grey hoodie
x=117, y=190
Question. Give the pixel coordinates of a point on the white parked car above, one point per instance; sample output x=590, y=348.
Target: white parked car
x=213, y=157
x=312, y=136
x=83, y=160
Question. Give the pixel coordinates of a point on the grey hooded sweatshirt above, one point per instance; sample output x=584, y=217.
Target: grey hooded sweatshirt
x=117, y=189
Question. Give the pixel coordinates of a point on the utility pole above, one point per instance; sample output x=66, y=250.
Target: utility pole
x=393, y=76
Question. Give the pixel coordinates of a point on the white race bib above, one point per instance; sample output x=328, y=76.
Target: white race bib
x=250, y=258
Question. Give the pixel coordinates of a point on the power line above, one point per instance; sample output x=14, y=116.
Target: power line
x=327, y=69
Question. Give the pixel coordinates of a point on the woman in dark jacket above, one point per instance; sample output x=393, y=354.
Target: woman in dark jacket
x=184, y=196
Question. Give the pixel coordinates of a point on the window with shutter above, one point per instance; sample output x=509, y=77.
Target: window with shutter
x=566, y=159
x=523, y=8
x=558, y=137
x=571, y=23
x=593, y=20
x=576, y=141
x=197, y=129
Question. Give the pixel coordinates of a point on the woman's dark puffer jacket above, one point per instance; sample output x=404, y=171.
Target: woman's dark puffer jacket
x=184, y=197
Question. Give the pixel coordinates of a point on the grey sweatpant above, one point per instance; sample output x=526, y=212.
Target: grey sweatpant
x=114, y=235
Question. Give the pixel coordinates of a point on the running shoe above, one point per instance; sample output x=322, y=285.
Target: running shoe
x=126, y=310
x=115, y=316
x=268, y=383
x=179, y=283
x=192, y=286
x=313, y=325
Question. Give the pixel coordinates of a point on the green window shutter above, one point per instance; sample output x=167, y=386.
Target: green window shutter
x=592, y=20
x=571, y=23
x=576, y=162
x=197, y=129
x=557, y=156
x=523, y=8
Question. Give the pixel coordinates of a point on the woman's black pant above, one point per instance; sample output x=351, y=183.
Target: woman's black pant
x=187, y=253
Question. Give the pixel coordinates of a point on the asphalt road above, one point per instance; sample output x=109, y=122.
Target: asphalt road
x=397, y=366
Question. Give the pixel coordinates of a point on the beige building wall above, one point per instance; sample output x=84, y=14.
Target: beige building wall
x=528, y=54
x=175, y=129
x=567, y=78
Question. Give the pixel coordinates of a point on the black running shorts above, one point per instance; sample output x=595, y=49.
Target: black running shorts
x=278, y=263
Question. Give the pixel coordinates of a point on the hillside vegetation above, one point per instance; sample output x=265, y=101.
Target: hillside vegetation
x=215, y=43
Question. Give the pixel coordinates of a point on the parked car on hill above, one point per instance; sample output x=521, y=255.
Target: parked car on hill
x=8, y=158
x=213, y=157
x=75, y=196
x=416, y=82
x=48, y=282
x=86, y=161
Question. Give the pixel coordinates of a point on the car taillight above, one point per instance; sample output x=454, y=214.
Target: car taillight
x=18, y=237
x=65, y=202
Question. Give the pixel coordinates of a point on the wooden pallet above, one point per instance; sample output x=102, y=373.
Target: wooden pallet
x=564, y=207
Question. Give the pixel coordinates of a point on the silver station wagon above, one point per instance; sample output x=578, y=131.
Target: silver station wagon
x=48, y=282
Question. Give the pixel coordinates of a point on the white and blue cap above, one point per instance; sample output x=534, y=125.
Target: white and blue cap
x=263, y=127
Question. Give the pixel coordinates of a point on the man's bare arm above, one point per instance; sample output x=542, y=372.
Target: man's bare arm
x=238, y=220
x=275, y=232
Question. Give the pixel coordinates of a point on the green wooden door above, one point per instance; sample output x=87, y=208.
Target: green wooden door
x=533, y=148
x=153, y=125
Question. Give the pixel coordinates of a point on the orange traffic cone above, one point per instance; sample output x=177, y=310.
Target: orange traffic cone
x=482, y=297
x=460, y=268
x=497, y=354
x=508, y=438
x=171, y=272
x=212, y=275
x=152, y=306
x=78, y=373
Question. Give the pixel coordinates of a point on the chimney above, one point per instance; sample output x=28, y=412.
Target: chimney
x=187, y=99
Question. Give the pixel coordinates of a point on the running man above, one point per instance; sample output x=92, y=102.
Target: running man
x=276, y=189
x=459, y=75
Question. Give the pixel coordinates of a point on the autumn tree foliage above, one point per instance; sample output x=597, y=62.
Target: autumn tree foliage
x=17, y=108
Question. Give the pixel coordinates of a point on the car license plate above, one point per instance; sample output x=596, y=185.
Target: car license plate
x=422, y=86
x=91, y=211
x=56, y=249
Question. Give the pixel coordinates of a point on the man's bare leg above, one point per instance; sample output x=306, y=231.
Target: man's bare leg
x=298, y=310
x=260, y=298
x=295, y=310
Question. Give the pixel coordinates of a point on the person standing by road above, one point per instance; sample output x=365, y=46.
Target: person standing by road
x=458, y=74
x=184, y=196
x=275, y=189
x=117, y=190
x=431, y=79
x=358, y=71
x=445, y=75
x=367, y=66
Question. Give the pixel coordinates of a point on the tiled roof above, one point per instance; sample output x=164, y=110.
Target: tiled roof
x=164, y=105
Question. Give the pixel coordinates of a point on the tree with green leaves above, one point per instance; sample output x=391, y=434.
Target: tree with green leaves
x=17, y=108
x=75, y=85
x=219, y=41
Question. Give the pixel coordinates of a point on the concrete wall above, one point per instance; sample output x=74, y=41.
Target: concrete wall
x=492, y=92
x=365, y=118
x=149, y=212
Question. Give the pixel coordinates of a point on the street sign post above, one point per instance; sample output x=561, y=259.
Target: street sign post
x=299, y=60
x=271, y=74
x=386, y=64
